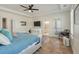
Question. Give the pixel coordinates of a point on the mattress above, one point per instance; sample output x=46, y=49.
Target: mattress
x=19, y=43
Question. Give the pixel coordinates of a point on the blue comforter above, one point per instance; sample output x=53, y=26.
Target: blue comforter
x=20, y=42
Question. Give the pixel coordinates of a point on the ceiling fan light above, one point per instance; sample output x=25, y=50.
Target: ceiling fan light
x=29, y=10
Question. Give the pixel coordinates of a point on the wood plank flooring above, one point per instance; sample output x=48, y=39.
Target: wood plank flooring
x=52, y=45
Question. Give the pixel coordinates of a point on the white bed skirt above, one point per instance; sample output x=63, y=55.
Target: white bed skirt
x=31, y=49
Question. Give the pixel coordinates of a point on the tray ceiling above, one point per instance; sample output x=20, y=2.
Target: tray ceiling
x=44, y=9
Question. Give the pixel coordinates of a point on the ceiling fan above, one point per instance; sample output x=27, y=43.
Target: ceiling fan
x=29, y=8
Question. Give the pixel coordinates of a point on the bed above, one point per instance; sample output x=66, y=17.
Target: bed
x=23, y=43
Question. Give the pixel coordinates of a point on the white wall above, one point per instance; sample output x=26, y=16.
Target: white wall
x=20, y=28
x=63, y=16
x=74, y=32
x=16, y=18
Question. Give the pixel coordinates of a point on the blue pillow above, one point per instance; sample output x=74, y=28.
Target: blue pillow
x=7, y=34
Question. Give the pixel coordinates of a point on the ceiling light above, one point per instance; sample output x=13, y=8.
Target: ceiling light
x=29, y=10
x=46, y=22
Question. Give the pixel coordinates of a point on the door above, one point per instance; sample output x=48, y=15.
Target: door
x=46, y=28
x=4, y=23
x=57, y=26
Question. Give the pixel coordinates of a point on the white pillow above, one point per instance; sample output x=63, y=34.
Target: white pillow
x=4, y=40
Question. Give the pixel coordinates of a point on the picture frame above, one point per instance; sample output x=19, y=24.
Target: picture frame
x=23, y=23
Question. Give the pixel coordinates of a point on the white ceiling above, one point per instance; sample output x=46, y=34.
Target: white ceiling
x=44, y=9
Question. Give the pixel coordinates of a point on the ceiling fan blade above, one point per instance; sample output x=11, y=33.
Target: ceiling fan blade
x=30, y=6
x=35, y=9
x=26, y=9
x=23, y=6
x=32, y=11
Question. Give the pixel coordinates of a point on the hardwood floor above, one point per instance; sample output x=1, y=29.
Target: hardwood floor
x=52, y=45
